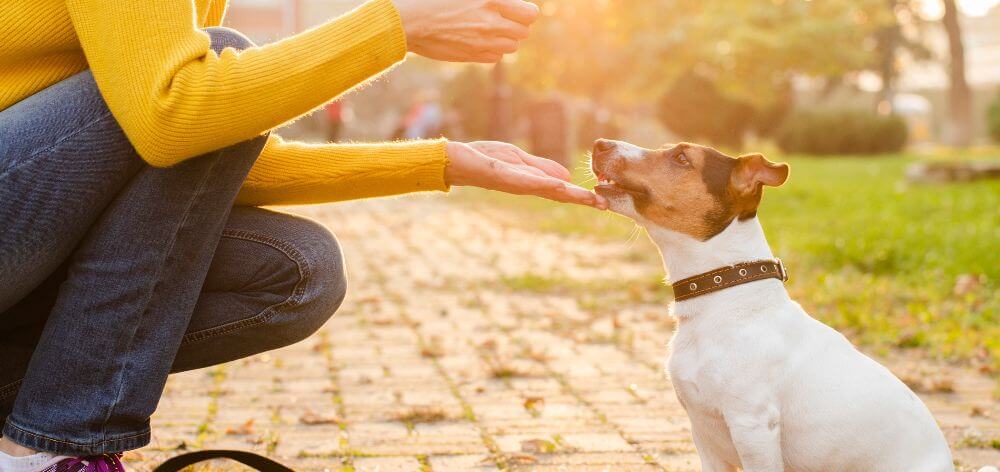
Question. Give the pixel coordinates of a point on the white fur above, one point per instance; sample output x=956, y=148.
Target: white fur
x=628, y=151
x=769, y=388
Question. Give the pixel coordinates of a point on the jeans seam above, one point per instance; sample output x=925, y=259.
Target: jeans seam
x=21, y=430
x=295, y=297
x=10, y=389
x=56, y=144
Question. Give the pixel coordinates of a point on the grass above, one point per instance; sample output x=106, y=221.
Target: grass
x=890, y=263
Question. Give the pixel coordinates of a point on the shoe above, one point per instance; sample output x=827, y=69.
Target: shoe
x=100, y=463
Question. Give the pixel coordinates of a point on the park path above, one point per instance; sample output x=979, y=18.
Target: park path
x=456, y=350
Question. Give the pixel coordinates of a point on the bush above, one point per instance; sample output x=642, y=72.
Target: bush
x=696, y=110
x=842, y=132
x=993, y=120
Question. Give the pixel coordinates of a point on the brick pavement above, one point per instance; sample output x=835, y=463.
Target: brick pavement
x=460, y=348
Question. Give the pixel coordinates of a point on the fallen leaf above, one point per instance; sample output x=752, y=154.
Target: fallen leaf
x=244, y=430
x=312, y=418
x=538, y=446
x=534, y=403
x=521, y=459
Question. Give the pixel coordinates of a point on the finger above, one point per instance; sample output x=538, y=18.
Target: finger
x=518, y=10
x=549, y=166
x=486, y=58
x=548, y=187
x=530, y=170
x=511, y=29
x=501, y=45
x=602, y=203
x=515, y=155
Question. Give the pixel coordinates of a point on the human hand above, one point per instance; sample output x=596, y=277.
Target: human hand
x=504, y=167
x=465, y=30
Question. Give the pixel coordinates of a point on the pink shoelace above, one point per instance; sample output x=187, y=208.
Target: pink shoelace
x=100, y=463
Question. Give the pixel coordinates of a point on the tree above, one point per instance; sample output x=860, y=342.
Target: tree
x=959, y=94
x=694, y=109
x=633, y=51
x=901, y=33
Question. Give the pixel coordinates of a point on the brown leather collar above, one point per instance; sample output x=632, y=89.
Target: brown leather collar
x=726, y=277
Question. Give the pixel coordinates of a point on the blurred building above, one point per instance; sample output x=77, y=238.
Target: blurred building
x=981, y=36
x=929, y=79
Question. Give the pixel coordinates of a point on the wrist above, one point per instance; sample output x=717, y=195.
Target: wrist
x=456, y=155
x=404, y=8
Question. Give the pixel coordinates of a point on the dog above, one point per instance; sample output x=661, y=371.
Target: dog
x=766, y=386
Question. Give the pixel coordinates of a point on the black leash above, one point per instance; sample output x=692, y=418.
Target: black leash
x=261, y=463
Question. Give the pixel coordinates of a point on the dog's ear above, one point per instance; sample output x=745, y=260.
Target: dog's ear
x=754, y=171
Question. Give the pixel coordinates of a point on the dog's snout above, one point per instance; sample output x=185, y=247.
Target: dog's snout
x=603, y=145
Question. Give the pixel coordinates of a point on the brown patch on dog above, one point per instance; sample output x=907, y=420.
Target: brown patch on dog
x=693, y=189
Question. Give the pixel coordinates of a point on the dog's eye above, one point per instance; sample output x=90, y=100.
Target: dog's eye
x=681, y=159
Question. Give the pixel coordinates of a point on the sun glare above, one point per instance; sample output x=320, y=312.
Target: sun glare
x=934, y=9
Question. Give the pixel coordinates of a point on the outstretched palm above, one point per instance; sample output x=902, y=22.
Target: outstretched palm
x=506, y=168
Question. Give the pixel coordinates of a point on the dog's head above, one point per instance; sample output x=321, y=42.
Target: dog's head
x=687, y=188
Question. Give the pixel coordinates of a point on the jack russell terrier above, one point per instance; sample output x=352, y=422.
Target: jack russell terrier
x=766, y=386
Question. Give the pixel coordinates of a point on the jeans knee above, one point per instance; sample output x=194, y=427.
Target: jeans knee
x=223, y=38
x=322, y=286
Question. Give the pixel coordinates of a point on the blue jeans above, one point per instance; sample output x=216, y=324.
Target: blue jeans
x=114, y=273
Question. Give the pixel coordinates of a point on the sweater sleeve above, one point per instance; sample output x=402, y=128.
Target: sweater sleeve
x=216, y=12
x=176, y=99
x=293, y=173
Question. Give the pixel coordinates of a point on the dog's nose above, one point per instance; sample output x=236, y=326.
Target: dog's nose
x=603, y=145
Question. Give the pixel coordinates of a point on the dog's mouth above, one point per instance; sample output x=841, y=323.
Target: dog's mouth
x=606, y=184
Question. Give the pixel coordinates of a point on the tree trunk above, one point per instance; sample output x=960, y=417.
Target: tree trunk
x=887, y=43
x=959, y=130
x=501, y=113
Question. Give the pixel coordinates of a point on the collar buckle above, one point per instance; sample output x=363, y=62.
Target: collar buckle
x=781, y=270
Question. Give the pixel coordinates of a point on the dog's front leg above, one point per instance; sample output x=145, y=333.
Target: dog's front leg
x=711, y=461
x=757, y=437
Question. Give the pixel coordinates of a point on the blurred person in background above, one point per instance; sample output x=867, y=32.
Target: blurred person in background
x=135, y=152
x=337, y=113
x=424, y=120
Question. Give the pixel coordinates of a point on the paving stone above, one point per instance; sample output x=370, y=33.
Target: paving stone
x=430, y=324
x=387, y=464
x=471, y=463
x=589, y=442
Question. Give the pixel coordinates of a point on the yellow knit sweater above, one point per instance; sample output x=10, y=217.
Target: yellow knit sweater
x=176, y=99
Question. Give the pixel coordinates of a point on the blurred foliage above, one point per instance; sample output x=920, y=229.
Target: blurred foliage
x=905, y=34
x=636, y=49
x=595, y=124
x=819, y=132
x=695, y=110
x=468, y=93
x=993, y=119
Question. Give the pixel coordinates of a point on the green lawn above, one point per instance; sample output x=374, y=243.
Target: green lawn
x=869, y=253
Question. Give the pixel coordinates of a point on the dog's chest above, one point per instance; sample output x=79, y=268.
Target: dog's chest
x=696, y=372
